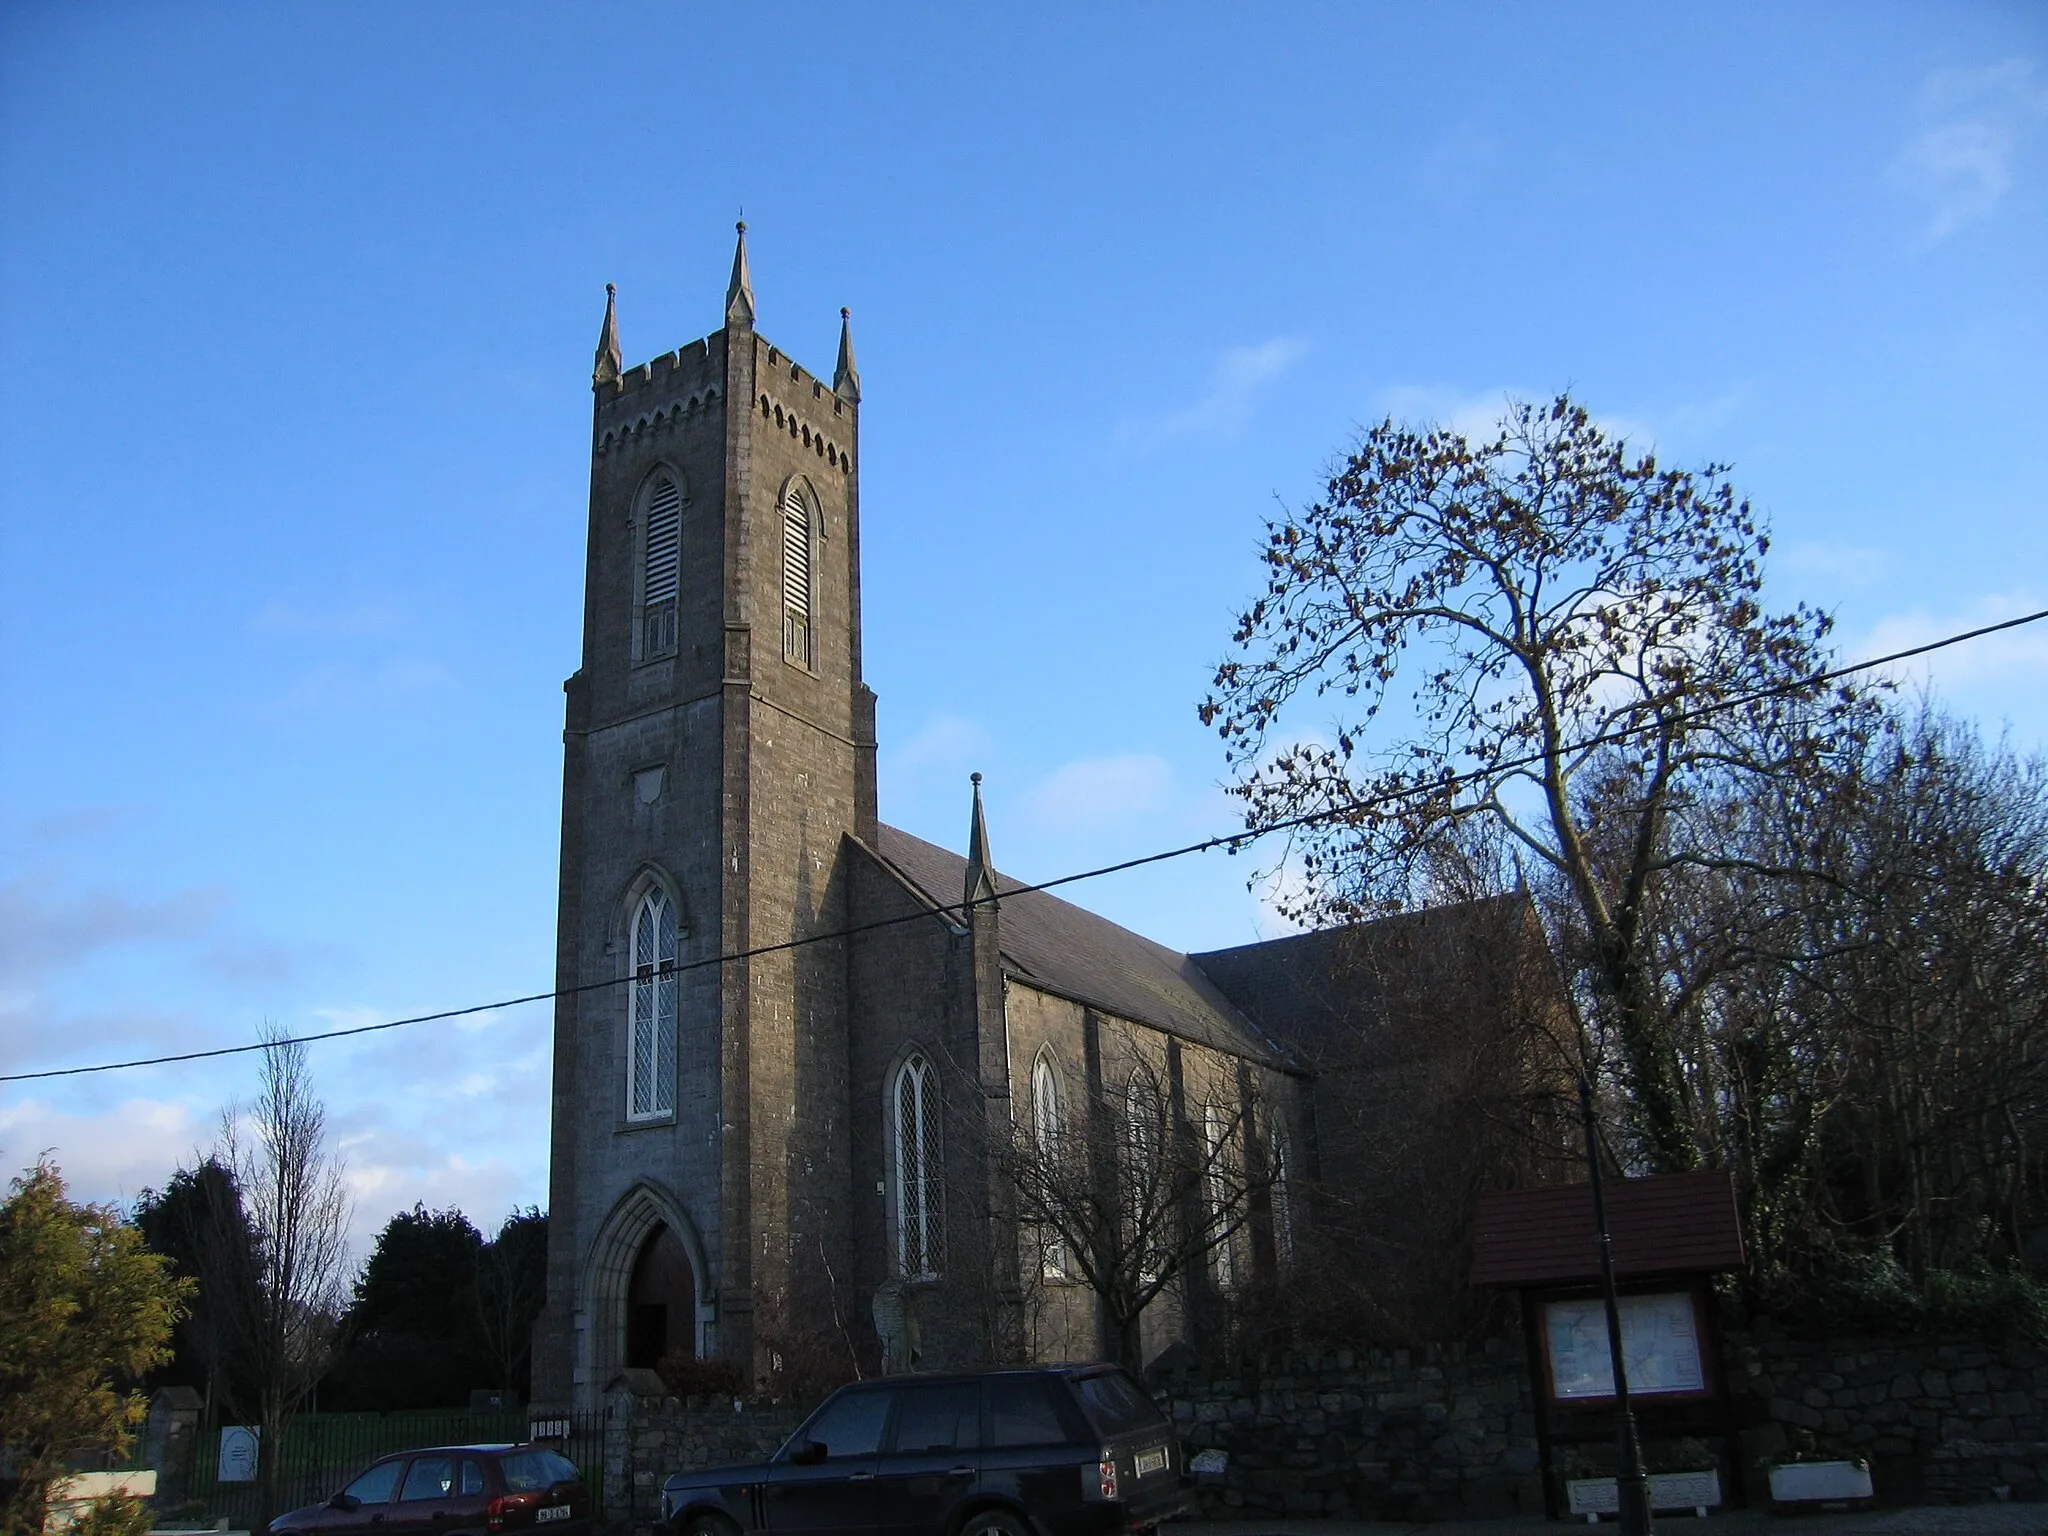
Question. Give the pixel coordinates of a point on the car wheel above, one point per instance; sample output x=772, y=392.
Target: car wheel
x=712, y=1525
x=994, y=1522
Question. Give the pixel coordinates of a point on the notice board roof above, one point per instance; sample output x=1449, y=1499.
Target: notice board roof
x=1671, y=1223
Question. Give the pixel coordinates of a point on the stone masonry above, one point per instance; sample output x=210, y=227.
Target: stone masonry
x=1446, y=1433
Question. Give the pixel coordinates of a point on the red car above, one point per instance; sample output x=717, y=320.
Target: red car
x=453, y=1490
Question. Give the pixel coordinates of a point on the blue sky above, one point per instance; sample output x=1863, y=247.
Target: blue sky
x=296, y=313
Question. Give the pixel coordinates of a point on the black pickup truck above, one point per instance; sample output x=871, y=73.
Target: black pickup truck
x=1071, y=1450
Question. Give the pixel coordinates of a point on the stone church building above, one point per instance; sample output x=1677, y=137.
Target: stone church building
x=787, y=1035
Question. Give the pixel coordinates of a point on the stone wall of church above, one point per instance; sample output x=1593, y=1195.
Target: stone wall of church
x=796, y=802
x=912, y=989
x=641, y=793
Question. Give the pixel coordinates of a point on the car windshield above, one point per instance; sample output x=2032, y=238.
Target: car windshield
x=1115, y=1404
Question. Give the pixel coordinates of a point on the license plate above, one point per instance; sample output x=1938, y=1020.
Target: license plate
x=1149, y=1462
x=553, y=1512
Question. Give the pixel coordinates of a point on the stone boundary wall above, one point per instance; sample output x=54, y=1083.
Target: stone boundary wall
x=1442, y=1433
x=1450, y=1432
x=1373, y=1435
x=1941, y=1420
x=646, y=1439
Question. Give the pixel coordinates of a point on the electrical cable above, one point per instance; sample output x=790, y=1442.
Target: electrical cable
x=1232, y=840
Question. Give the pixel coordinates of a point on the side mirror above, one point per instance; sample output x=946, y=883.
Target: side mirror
x=810, y=1453
x=347, y=1503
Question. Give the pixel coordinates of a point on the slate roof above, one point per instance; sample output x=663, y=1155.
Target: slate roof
x=1664, y=1224
x=1058, y=947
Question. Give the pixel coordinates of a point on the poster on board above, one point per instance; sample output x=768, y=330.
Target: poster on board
x=1660, y=1346
x=238, y=1445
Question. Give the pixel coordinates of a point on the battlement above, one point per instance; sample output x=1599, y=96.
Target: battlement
x=777, y=369
x=689, y=367
x=672, y=388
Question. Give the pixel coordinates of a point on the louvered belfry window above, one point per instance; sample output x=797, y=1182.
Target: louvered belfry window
x=664, y=549
x=920, y=1233
x=796, y=577
x=651, y=1010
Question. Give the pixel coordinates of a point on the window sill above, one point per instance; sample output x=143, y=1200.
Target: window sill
x=646, y=1123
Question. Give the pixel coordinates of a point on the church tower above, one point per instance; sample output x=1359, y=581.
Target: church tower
x=719, y=745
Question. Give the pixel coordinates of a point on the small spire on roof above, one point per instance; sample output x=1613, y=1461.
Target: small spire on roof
x=739, y=293
x=606, y=370
x=981, y=873
x=846, y=377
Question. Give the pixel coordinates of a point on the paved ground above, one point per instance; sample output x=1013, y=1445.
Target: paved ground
x=1922, y=1520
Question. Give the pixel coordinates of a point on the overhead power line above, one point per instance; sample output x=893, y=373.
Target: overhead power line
x=960, y=908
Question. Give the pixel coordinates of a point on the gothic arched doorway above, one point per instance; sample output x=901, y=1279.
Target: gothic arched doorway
x=661, y=1302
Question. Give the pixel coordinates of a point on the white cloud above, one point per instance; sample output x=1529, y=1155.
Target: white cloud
x=2014, y=661
x=1842, y=565
x=944, y=742
x=397, y=1158
x=1962, y=161
x=1476, y=416
x=110, y=1156
x=1098, y=793
x=1454, y=169
x=337, y=687
x=41, y=931
x=1472, y=416
x=1241, y=375
x=365, y=619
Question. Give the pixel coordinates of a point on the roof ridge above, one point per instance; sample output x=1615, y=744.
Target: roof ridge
x=1173, y=998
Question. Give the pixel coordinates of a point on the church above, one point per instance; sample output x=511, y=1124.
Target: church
x=787, y=1036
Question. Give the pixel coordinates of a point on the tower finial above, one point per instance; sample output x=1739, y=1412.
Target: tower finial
x=606, y=369
x=739, y=293
x=981, y=872
x=846, y=377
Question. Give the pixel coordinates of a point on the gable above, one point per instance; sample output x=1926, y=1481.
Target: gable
x=1320, y=994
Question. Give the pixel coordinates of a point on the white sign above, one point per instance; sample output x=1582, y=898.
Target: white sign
x=1822, y=1481
x=238, y=1445
x=1660, y=1345
x=1668, y=1490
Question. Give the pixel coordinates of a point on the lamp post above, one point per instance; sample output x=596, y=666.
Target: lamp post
x=1632, y=1483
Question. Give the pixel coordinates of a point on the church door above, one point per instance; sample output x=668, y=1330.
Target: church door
x=661, y=1303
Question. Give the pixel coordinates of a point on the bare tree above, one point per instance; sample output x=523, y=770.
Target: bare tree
x=1135, y=1196
x=281, y=1297
x=1883, y=1066
x=1573, y=626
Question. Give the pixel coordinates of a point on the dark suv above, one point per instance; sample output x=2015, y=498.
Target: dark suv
x=1059, y=1451
x=453, y=1490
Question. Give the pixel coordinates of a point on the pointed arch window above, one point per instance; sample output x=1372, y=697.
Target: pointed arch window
x=1282, y=1197
x=1218, y=1181
x=797, y=577
x=1144, y=1207
x=651, y=1009
x=914, y=1170
x=1047, y=1133
x=661, y=563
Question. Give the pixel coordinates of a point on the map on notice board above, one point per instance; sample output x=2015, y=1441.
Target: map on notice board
x=1660, y=1345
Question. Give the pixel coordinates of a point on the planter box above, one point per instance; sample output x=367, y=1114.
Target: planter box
x=71, y=1498
x=1821, y=1484
x=1596, y=1496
